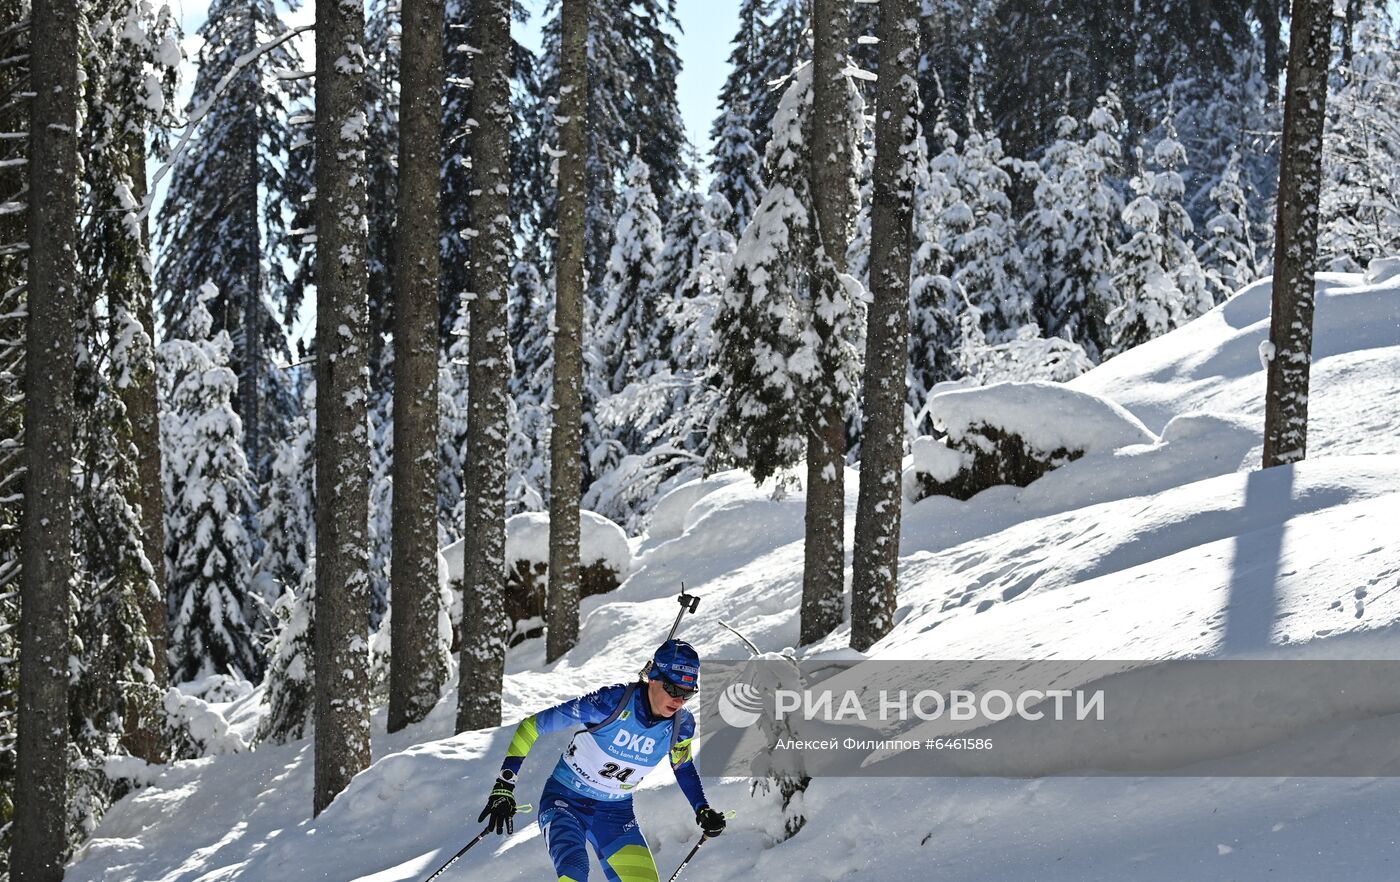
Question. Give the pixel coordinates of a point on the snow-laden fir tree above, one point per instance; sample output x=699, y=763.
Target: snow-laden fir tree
x=785, y=43
x=738, y=132
x=1228, y=254
x=215, y=621
x=989, y=267
x=771, y=362
x=736, y=165
x=934, y=301
x=1159, y=279
x=680, y=255
x=675, y=402
x=291, y=663
x=381, y=486
x=453, y=389
x=531, y=305
x=129, y=69
x=233, y=205
x=858, y=251
x=626, y=315
x=1074, y=227
x=287, y=517
x=1361, y=194
x=621, y=324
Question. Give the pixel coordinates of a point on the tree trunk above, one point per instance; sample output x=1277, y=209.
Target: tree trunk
x=823, y=579
x=565, y=466
x=143, y=729
x=875, y=567
x=342, y=390
x=46, y=526
x=484, y=623
x=1295, y=239
x=416, y=674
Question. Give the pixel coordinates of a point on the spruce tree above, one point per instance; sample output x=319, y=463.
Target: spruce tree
x=947, y=53
x=779, y=373
x=1159, y=278
x=216, y=623
x=1360, y=201
x=287, y=517
x=628, y=311
x=229, y=214
x=290, y=684
x=531, y=306
x=736, y=162
x=933, y=299
x=1228, y=253
x=990, y=269
x=1074, y=227
x=130, y=62
x=453, y=406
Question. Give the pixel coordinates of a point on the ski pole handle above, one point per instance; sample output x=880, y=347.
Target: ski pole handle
x=689, y=604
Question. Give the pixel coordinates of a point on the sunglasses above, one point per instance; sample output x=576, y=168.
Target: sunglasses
x=677, y=691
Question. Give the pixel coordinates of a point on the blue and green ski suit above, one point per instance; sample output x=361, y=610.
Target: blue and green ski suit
x=588, y=798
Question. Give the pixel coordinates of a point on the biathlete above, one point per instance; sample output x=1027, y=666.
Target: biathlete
x=628, y=730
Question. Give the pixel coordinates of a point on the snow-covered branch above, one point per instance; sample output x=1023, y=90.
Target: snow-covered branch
x=203, y=110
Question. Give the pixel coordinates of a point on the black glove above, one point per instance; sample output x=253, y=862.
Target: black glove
x=500, y=807
x=711, y=822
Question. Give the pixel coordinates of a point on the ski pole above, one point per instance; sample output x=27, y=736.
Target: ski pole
x=728, y=816
x=468, y=847
x=677, y=874
x=689, y=604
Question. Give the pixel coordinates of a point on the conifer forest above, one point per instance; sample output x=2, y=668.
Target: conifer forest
x=370, y=367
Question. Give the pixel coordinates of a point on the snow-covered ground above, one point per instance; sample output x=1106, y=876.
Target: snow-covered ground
x=1178, y=548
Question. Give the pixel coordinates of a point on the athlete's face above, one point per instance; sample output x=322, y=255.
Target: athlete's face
x=663, y=704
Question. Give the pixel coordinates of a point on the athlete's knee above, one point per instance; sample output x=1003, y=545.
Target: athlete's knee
x=633, y=863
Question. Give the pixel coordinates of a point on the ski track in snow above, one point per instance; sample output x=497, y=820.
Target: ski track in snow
x=1167, y=550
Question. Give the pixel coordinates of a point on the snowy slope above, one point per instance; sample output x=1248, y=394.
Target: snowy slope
x=1156, y=551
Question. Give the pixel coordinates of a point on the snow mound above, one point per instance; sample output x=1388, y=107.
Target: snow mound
x=1046, y=416
x=670, y=517
x=1212, y=364
x=1382, y=269
x=527, y=539
x=600, y=541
